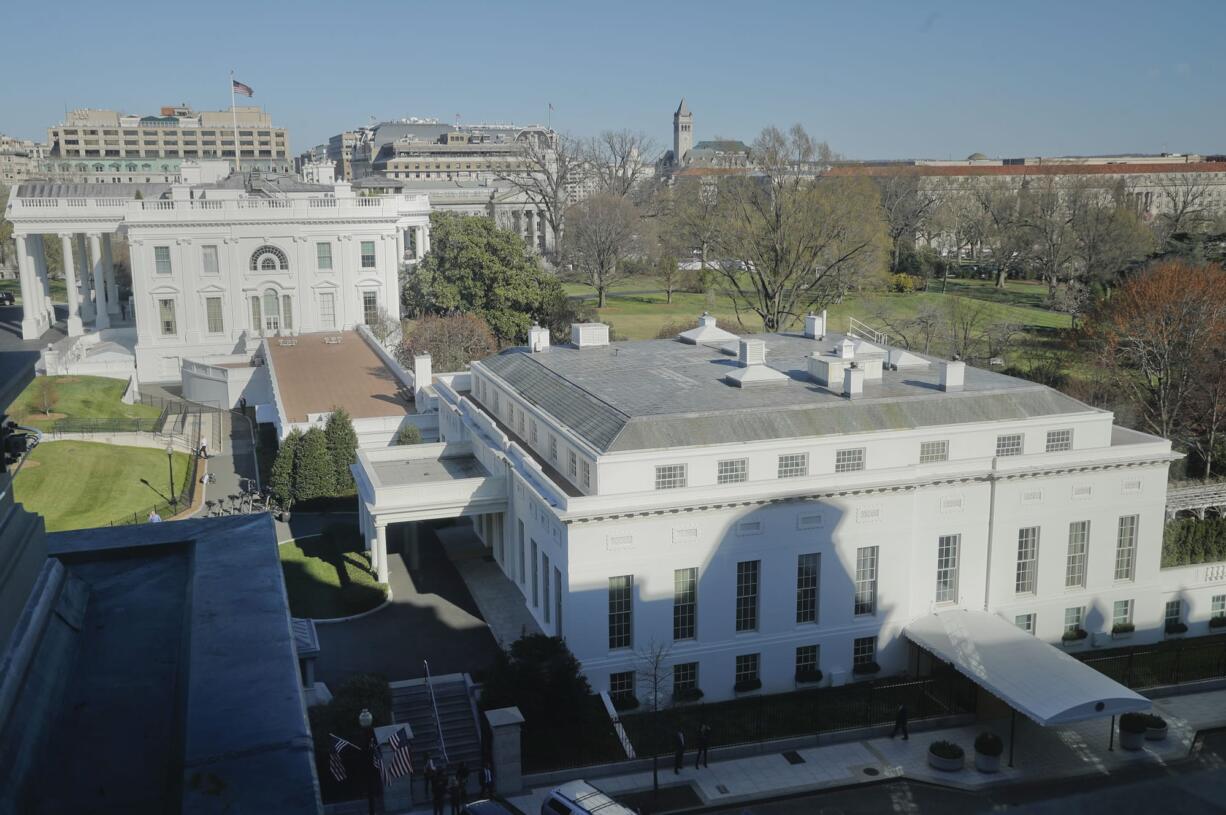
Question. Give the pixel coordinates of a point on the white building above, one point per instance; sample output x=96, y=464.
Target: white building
x=218, y=262
x=773, y=504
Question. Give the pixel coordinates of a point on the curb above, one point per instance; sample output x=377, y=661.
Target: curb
x=328, y=620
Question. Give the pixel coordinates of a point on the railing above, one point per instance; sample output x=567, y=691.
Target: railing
x=390, y=203
x=1171, y=662
x=866, y=332
x=438, y=725
x=107, y=426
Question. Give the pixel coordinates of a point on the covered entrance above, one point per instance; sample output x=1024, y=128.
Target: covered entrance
x=1032, y=677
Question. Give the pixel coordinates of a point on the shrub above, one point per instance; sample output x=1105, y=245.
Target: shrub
x=866, y=669
x=624, y=701
x=1074, y=635
x=281, y=479
x=409, y=434
x=687, y=695
x=746, y=685
x=809, y=675
x=946, y=749
x=903, y=283
x=1176, y=627
x=1188, y=541
x=989, y=744
x=540, y=676
x=342, y=444
x=1134, y=722
x=1217, y=622
x=1123, y=628
x=314, y=472
x=1155, y=721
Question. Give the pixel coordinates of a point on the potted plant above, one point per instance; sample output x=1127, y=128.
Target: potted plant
x=1176, y=627
x=1132, y=730
x=1122, y=629
x=1073, y=637
x=808, y=676
x=866, y=669
x=1156, y=729
x=687, y=695
x=1217, y=622
x=945, y=755
x=747, y=686
x=988, y=748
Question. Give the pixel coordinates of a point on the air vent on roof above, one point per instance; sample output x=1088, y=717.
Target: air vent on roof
x=538, y=338
x=815, y=325
x=751, y=355
x=589, y=335
x=953, y=375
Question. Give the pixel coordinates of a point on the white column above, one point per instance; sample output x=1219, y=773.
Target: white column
x=44, y=280
x=31, y=306
x=75, y=328
x=425, y=239
x=381, y=541
x=84, y=279
x=108, y=271
x=101, y=318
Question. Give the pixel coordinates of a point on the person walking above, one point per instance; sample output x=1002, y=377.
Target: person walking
x=900, y=722
x=154, y=518
x=428, y=771
x=704, y=745
x=204, y=447
x=438, y=791
x=487, y=781
x=453, y=790
x=678, y=751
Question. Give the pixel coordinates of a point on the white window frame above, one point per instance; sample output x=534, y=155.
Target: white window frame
x=323, y=260
x=849, y=460
x=373, y=256
x=1078, y=555
x=1217, y=606
x=1126, y=548
x=808, y=588
x=1121, y=612
x=1010, y=444
x=208, y=315
x=621, y=612
x=793, y=465
x=732, y=471
x=671, y=476
x=747, y=668
x=572, y=465
x=685, y=604
x=1026, y=622
x=866, y=581
x=174, y=317
x=1060, y=441
x=210, y=262
x=932, y=452
x=948, y=555
x=162, y=262
x=1074, y=619
x=863, y=651
x=327, y=309
x=1027, y=576
x=585, y=471
x=1176, y=606
x=747, y=616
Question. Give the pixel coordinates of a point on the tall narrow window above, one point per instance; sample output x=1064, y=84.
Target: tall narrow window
x=1009, y=445
x=1078, y=549
x=368, y=254
x=287, y=312
x=1174, y=612
x=166, y=315
x=208, y=259
x=806, y=660
x=327, y=310
x=808, y=577
x=572, y=465
x=866, y=580
x=161, y=259
x=272, y=311
x=323, y=256
x=370, y=307
x=257, y=321
x=1126, y=548
x=685, y=677
x=553, y=447
x=586, y=470
x=522, y=575
x=212, y=313
x=747, y=572
x=536, y=574
x=947, y=568
x=670, y=476
x=621, y=599
x=685, y=603
x=1027, y=560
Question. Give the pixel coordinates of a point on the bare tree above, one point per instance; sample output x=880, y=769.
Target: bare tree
x=452, y=341
x=551, y=168
x=1108, y=234
x=1047, y=224
x=1000, y=226
x=1185, y=202
x=621, y=160
x=48, y=394
x=603, y=234
x=692, y=219
x=654, y=678
x=905, y=205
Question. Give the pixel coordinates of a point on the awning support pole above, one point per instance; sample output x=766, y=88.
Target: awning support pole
x=1012, y=727
x=1111, y=738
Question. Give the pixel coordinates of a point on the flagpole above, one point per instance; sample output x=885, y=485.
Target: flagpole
x=238, y=153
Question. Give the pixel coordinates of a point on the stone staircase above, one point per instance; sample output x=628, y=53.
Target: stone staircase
x=461, y=732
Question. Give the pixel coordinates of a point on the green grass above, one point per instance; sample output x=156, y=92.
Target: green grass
x=329, y=576
x=80, y=397
x=58, y=290
x=78, y=484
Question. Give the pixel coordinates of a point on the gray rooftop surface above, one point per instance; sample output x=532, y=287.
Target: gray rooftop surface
x=428, y=470
x=654, y=394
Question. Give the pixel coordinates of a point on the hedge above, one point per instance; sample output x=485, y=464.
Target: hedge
x=1188, y=541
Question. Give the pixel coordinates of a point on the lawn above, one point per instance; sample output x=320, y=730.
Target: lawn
x=78, y=484
x=58, y=290
x=329, y=575
x=79, y=397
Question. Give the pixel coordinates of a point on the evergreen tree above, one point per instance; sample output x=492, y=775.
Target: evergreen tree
x=314, y=473
x=281, y=479
x=342, y=448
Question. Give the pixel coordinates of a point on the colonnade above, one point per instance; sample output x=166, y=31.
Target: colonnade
x=89, y=280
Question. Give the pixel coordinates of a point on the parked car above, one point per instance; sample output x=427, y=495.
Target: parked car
x=581, y=798
x=485, y=807
x=6, y=298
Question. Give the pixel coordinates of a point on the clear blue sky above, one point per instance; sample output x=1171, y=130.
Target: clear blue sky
x=875, y=79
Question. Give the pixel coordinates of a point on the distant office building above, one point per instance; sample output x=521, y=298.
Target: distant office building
x=18, y=159
x=108, y=147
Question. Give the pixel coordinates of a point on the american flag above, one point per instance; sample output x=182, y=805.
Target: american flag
x=239, y=87
x=335, y=763
x=401, y=763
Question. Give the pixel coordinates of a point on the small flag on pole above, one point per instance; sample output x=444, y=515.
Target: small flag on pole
x=335, y=763
x=401, y=763
x=376, y=755
x=551, y=105
x=239, y=87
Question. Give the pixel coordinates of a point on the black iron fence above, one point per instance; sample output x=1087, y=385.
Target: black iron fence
x=1170, y=662
x=185, y=485
x=118, y=425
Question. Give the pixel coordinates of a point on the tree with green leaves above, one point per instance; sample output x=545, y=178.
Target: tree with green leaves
x=281, y=479
x=314, y=472
x=475, y=267
x=342, y=447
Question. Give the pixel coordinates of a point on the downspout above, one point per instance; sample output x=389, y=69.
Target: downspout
x=987, y=582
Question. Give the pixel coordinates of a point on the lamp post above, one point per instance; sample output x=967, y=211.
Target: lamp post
x=367, y=721
x=170, y=463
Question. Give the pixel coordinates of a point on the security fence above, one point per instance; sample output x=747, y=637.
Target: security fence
x=1171, y=662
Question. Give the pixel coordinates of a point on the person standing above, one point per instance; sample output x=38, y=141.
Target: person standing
x=900, y=722
x=704, y=745
x=453, y=790
x=438, y=791
x=154, y=518
x=204, y=447
x=429, y=770
x=487, y=781
x=461, y=777
x=678, y=751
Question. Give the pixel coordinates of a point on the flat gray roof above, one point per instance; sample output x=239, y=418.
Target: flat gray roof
x=428, y=470
x=653, y=394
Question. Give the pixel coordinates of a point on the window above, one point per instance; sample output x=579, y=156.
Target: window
x=212, y=313
x=670, y=476
x=846, y=461
x=747, y=667
x=521, y=552
x=1173, y=613
x=323, y=256
x=269, y=259
x=1059, y=440
x=1025, y=622
x=370, y=307
x=793, y=465
x=532, y=431
x=1121, y=612
x=866, y=580
x=545, y=583
x=1027, y=560
x=732, y=471
x=685, y=677
x=934, y=451
x=747, y=572
x=621, y=685
x=327, y=309
x=1218, y=606
x=586, y=468
x=572, y=465
x=808, y=577
x=161, y=259
x=1009, y=445
x=166, y=314
x=947, y=568
x=806, y=659
x=553, y=448
x=1078, y=548
x=863, y=651
x=1126, y=548
x=1074, y=619
x=272, y=311
x=621, y=612
x=368, y=254
x=287, y=313
x=208, y=259
x=685, y=603
x=536, y=575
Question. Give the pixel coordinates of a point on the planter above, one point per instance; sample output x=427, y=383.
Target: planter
x=988, y=749
x=948, y=765
x=747, y=686
x=1132, y=741
x=987, y=764
x=1155, y=733
x=1217, y=622
x=867, y=669
x=808, y=677
x=1132, y=730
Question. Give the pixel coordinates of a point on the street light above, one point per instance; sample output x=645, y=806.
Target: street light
x=170, y=463
x=366, y=721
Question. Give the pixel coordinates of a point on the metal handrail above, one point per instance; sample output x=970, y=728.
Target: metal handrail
x=438, y=725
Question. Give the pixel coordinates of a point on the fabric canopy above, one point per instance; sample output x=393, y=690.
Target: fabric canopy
x=1034, y=678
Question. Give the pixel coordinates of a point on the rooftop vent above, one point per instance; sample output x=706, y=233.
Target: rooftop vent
x=815, y=325
x=853, y=382
x=707, y=331
x=589, y=335
x=751, y=355
x=953, y=375
x=538, y=338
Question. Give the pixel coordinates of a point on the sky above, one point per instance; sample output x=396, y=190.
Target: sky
x=874, y=79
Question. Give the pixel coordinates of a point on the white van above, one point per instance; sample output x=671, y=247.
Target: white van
x=581, y=798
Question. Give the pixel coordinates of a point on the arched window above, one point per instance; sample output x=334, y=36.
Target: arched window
x=269, y=259
x=266, y=311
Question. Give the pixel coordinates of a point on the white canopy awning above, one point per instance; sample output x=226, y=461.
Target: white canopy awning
x=1036, y=679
